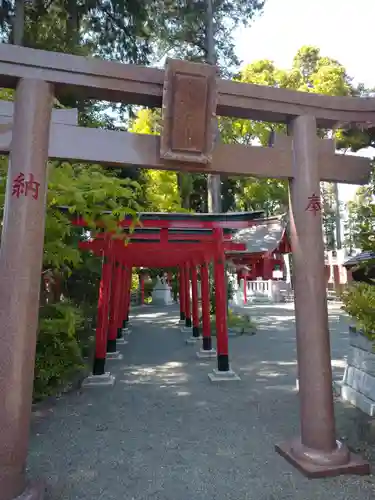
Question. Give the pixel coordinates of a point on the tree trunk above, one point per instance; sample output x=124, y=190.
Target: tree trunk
x=18, y=30
x=213, y=181
x=337, y=216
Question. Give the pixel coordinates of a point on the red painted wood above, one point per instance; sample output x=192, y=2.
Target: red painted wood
x=194, y=294
x=221, y=300
x=182, y=291
x=187, y=291
x=114, y=301
x=102, y=319
x=205, y=286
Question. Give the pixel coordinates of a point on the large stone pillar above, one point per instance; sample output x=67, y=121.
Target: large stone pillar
x=20, y=270
x=316, y=452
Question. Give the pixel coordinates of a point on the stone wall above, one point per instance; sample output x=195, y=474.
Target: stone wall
x=358, y=384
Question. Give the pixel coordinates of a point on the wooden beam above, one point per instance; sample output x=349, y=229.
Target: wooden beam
x=123, y=149
x=189, y=112
x=61, y=116
x=98, y=79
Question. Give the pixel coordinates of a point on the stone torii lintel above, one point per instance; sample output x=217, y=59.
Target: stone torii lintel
x=332, y=166
x=123, y=149
x=283, y=141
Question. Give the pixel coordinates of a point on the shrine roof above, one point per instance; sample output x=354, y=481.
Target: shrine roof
x=359, y=259
x=197, y=221
x=263, y=237
x=186, y=221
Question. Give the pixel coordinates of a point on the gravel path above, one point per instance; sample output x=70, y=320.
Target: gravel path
x=165, y=432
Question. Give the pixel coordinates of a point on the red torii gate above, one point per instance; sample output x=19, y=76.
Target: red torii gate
x=166, y=249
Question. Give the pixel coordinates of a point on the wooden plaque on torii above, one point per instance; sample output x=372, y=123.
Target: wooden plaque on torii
x=188, y=112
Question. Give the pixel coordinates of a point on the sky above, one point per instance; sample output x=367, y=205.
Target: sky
x=340, y=28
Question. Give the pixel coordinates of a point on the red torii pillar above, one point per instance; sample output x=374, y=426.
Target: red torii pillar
x=182, y=295
x=206, y=351
x=125, y=298
x=127, y=295
x=188, y=322
x=195, y=311
x=223, y=372
x=99, y=376
x=102, y=318
x=113, y=306
x=194, y=293
x=120, y=301
x=114, y=332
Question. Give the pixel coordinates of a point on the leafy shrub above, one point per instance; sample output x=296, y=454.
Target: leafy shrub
x=359, y=303
x=58, y=354
x=235, y=321
x=148, y=287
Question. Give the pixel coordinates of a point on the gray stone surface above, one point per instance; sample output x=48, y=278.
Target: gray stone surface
x=360, y=381
x=363, y=360
x=360, y=341
x=229, y=376
x=165, y=432
x=356, y=398
x=99, y=380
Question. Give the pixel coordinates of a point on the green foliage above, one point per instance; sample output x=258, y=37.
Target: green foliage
x=164, y=191
x=117, y=29
x=360, y=227
x=237, y=322
x=359, y=303
x=310, y=72
x=58, y=354
x=87, y=190
x=181, y=28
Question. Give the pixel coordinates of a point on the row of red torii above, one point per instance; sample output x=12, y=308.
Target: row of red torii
x=189, y=242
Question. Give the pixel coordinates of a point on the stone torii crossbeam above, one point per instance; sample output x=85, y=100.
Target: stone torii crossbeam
x=190, y=96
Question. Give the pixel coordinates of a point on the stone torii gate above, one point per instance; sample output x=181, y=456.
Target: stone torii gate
x=190, y=95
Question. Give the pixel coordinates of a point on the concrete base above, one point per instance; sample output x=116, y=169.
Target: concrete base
x=34, y=491
x=355, y=398
x=125, y=331
x=122, y=341
x=356, y=464
x=192, y=340
x=114, y=356
x=229, y=376
x=181, y=322
x=185, y=329
x=99, y=380
x=202, y=354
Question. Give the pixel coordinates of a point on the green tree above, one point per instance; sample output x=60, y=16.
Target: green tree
x=181, y=28
x=310, y=72
x=116, y=30
x=360, y=226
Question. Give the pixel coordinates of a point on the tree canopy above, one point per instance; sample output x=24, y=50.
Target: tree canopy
x=310, y=72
